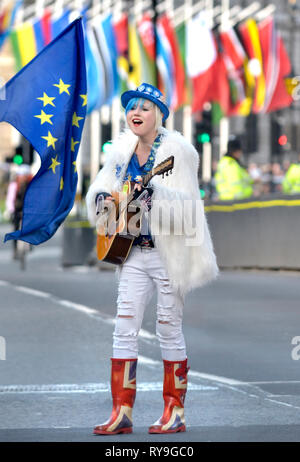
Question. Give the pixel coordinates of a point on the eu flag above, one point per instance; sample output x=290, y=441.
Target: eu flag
x=46, y=101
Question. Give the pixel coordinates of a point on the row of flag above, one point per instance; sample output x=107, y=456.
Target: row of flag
x=241, y=70
x=8, y=13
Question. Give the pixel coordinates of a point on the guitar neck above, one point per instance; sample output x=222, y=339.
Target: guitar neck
x=163, y=167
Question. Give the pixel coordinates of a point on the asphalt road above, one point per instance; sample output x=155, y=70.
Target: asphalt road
x=56, y=326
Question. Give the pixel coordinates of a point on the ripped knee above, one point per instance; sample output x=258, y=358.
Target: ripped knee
x=125, y=316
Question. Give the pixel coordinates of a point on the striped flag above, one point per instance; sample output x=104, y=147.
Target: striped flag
x=181, y=38
x=178, y=77
x=107, y=51
x=234, y=57
x=255, y=72
x=165, y=65
x=141, y=59
x=121, y=34
x=276, y=66
x=94, y=72
x=147, y=49
x=23, y=43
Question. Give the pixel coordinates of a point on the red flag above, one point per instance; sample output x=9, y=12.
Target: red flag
x=232, y=47
x=121, y=33
x=219, y=90
x=46, y=27
x=276, y=66
x=234, y=57
x=201, y=55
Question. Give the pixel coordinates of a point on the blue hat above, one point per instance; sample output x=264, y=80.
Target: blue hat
x=147, y=91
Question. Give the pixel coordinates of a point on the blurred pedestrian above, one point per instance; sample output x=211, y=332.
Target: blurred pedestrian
x=291, y=181
x=11, y=195
x=23, y=179
x=277, y=178
x=266, y=178
x=256, y=175
x=157, y=259
x=232, y=179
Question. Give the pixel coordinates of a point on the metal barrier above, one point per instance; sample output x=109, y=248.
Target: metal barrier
x=256, y=233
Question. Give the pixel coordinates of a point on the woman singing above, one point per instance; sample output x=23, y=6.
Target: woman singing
x=172, y=255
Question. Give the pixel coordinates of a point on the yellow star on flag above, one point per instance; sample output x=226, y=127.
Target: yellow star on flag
x=47, y=99
x=50, y=140
x=75, y=166
x=76, y=119
x=61, y=184
x=73, y=144
x=44, y=117
x=54, y=164
x=63, y=87
x=84, y=97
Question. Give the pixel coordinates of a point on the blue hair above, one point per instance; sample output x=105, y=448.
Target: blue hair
x=135, y=102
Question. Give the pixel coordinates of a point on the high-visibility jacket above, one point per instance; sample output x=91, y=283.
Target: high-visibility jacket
x=291, y=181
x=232, y=181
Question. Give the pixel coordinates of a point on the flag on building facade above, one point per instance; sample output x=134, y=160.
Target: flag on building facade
x=50, y=114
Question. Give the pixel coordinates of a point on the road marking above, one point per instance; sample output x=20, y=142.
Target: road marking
x=36, y=293
x=274, y=381
x=283, y=403
x=77, y=306
x=90, y=388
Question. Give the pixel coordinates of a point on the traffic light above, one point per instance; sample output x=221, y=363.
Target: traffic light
x=106, y=147
x=18, y=157
x=282, y=140
x=279, y=139
x=203, y=130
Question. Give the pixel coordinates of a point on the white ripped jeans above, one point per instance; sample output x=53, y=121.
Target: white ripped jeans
x=140, y=274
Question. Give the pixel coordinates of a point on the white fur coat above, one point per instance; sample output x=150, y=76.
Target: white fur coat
x=190, y=261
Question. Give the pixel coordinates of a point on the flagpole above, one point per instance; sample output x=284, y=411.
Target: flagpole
x=224, y=122
x=116, y=107
x=187, y=110
x=95, y=132
x=207, y=147
x=170, y=119
x=154, y=22
x=77, y=204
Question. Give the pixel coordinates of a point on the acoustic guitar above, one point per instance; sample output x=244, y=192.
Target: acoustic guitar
x=120, y=223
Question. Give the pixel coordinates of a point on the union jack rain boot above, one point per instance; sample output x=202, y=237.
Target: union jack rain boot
x=174, y=391
x=123, y=390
